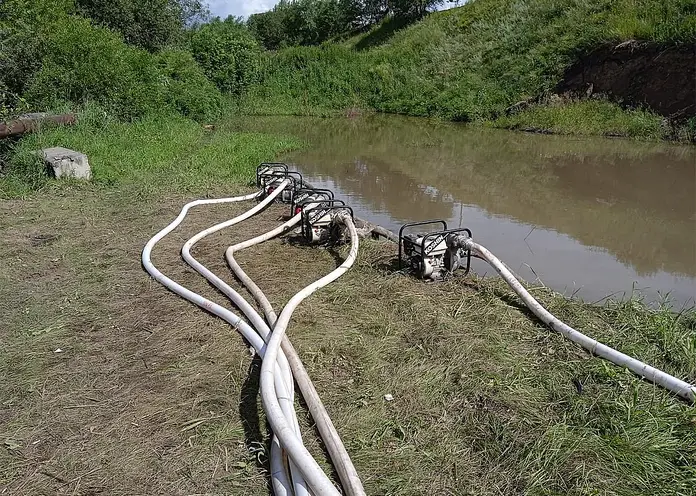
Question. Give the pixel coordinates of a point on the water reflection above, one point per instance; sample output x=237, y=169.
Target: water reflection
x=593, y=215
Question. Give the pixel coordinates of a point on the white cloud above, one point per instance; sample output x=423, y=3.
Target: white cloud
x=244, y=8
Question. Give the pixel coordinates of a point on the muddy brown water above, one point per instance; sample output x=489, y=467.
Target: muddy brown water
x=591, y=218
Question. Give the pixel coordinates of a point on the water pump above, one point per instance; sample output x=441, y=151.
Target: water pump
x=269, y=175
x=433, y=255
x=304, y=196
x=318, y=220
x=267, y=171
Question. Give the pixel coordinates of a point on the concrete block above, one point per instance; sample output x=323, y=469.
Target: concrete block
x=67, y=163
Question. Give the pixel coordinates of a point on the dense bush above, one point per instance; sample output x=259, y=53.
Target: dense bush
x=228, y=54
x=84, y=63
x=324, y=77
x=186, y=88
x=51, y=57
x=23, y=25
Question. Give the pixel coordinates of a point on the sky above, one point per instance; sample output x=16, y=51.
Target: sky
x=243, y=8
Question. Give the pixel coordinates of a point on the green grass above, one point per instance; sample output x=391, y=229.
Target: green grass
x=465, y=64
x=164, y=152
x=589, y=117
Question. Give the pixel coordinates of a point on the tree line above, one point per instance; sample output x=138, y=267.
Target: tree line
x=310, y=22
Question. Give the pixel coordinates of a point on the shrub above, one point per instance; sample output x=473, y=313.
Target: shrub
x=228, y=53
x=23, y=26
x=52, y=58
x=83, y=63
x=148, y=24
x=187, y=89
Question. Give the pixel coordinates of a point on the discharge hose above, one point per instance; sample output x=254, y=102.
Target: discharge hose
x=339, y=455
x=287, y=395
x=667, y=381
x=247, y=332
x=317, y=479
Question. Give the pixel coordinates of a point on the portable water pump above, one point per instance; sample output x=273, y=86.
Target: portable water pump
x=317, y=206
x=304, y=196
x=267, y=171
x=318, y=219
x=432, y=255
x=269, y=175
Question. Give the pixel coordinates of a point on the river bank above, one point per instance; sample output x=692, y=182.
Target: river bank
x=591, y=68
x=113, y=384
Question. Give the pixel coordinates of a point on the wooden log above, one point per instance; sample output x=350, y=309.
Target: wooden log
x=32, y=122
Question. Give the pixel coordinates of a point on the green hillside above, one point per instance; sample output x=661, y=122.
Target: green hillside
x=473, y=62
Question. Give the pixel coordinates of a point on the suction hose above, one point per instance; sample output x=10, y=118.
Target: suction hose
x=317, y=479
x=681, y=388
x=339, y=455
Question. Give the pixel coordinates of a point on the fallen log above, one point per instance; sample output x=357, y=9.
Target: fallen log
x=32, y=122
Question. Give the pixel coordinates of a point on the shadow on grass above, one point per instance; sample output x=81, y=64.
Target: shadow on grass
x=332, y=248
x=391, y=264
x=382, y=34
x=249, y=415
x=305, y=408
x=254, y=439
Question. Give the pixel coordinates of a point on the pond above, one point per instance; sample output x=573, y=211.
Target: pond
x=589, y=217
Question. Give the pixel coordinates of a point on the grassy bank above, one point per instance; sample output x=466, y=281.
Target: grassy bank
x=113, y=384
x=157, y=153
x=591, y=118
x=473, y=63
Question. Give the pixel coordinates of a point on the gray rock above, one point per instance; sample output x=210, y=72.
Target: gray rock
x=67, y=163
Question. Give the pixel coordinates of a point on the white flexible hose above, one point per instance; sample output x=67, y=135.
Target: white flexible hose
x=683, y=389
x=249, y=334
x=256, y=292
x=286, y=395
x=314, y=475
x=337, y=451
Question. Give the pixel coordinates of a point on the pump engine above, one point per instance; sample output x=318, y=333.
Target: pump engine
x=304, y=196
x=270, y=175
x=318, y=220
x=429, y=254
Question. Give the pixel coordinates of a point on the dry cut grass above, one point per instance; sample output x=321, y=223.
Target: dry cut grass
x=112, y=385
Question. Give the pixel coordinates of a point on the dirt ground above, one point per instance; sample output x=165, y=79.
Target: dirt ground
x=113, y=385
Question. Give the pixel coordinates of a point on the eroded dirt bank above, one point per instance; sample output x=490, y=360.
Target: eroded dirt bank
x=639, y=74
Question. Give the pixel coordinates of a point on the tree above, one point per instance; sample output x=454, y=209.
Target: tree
x=268, y=28
x=310, y=22
x=227, y=52
x=411, y=10
x=149, y=24
x=304, y=22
